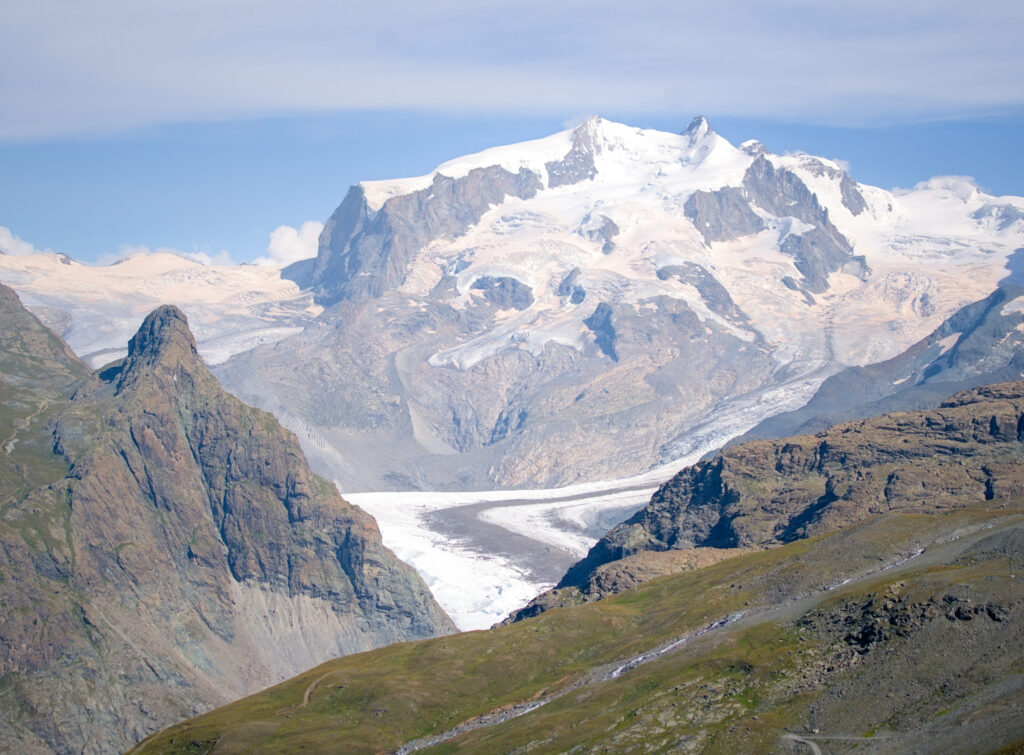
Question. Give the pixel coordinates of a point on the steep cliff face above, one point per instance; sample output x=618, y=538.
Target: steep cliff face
x=173, y=552
x=766, y=493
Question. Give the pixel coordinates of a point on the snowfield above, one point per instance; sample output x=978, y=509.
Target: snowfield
x=98, y=308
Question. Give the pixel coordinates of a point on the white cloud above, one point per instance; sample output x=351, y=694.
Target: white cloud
x=93, y=67
x=11, y=244
x=288, y=245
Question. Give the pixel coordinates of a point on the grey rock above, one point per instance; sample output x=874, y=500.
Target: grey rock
x=722, y=215
x=714, y=294
x=363, y=253
x=816, y=253
x=600, y=323
x=604, y=233
x=853, y=200
x=504, y=292
x=578, y=164
x=570, y=288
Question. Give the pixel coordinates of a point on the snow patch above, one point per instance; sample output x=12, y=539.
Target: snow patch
x=1012, y=307
x=948, y=343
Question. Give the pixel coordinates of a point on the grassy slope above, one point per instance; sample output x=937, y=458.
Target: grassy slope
x=741, y=687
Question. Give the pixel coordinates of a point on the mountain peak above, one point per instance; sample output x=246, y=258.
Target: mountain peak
x=163, y=339
x=593, y=123
x=698, y=127
x=165, y=329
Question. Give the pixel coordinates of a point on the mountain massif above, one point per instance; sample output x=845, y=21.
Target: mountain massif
x=601, y=303
x=163, y=547
x=605, y=300
x=850, y=591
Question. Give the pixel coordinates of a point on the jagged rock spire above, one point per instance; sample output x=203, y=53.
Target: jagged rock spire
x=163, y=340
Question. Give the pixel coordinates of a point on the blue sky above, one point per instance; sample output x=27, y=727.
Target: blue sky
x=203, y=125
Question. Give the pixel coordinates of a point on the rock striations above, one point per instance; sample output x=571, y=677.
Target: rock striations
x=164, y=548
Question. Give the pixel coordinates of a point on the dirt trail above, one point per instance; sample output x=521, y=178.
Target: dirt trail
x=8, y=443
x=305, y=695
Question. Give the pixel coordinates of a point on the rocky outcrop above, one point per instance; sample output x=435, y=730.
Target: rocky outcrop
x=816, y=252
x=578, y=163
x=715, y=295
x=761, y=493
x=504, y=292
x=722, y=215
x=171, y=551
x=365, y=252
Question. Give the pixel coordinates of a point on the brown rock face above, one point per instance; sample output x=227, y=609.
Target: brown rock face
x=765, y=493
x=164, y=548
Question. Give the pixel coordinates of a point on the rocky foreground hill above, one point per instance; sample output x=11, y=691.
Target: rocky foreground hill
x=762, y=494
x=163, y=547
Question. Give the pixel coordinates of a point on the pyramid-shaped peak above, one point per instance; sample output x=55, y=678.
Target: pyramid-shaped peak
x=698, y=127
x=163, y=340
x=165, y=328
x=590, y=124
x=587, y=133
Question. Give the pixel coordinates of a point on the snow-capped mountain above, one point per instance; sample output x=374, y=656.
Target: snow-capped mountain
x=605, y=300
x=97, y=308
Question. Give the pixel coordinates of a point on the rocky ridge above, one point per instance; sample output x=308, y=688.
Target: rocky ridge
x=761, y=494
x=165, y=548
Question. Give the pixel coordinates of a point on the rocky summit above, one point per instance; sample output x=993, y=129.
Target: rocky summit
x=605, y=300
x=163, y=547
